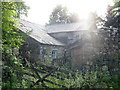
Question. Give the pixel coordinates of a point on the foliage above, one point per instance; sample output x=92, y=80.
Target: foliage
x=97, y=77
x=110, y=39
x=21, y=9
x=113, y=16
x=11, y=41
x=60, y=15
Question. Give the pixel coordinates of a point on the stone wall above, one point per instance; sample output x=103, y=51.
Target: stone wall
x=82, y=45
x=37, y=52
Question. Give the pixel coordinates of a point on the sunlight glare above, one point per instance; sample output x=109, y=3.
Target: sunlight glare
x=84, y=7
x=42, y=9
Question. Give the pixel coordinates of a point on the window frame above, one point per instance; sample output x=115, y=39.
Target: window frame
x=55, y=54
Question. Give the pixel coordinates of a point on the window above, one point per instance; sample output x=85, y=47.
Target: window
x=43, y=52
x=54, y=53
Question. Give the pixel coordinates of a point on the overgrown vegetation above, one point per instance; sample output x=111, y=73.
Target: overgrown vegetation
x=11, y=41
x=104, y=74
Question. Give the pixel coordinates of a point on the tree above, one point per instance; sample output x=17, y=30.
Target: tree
x=113, y=16
x=112, y=24
x=111, y=38
x=73, y=17
x=11, y=42
x=60, y=15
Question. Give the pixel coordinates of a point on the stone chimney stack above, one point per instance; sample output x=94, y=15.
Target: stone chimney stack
x=92, y=21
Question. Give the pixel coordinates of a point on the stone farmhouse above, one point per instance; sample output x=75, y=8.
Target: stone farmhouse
x=55, y=42
x=39, y=46
x=80, y=40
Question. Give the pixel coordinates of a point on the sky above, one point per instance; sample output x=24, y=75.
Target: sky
x=40, y=10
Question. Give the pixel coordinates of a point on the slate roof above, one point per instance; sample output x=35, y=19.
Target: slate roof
x=68, y=27
x=38, y=32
